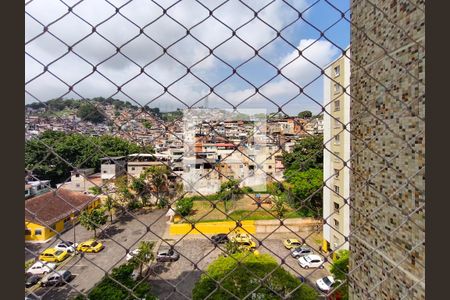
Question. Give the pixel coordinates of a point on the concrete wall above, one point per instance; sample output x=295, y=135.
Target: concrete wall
x=258, y=226
x=387, y=241
x=290, y=225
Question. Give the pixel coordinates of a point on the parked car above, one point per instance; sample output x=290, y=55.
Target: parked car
x=301, y=251
x=241, y=238
x=292, y=243
x=56, y=278
x=167, y=255
x=325, y=284
x=90, y=246
x=250, y=245
x=39, y=268
x=311, y=261
x=220, y=238
x=31, y=280
x=132, y=254
x=68, y=246
x=53, y=255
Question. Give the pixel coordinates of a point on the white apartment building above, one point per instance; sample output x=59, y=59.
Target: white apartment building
x=336, y=152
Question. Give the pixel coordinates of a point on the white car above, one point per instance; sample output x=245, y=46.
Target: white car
x=132, y=254
x=311, y=261
x=325, y=284
x=40, y=267
x=67, y=246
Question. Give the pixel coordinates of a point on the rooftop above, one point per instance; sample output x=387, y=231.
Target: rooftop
x=53, y=206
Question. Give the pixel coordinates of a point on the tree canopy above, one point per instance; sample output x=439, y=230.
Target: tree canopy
x=339, y=269
x=109, y=289
x=45, y=154
x=90, y=113
x=304, y=176
x=305, y=190
x=93, y=219
x=245, y=278
x=306, y=114
x=307, y=153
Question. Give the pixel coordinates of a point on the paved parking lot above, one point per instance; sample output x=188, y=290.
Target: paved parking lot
x=197, y=249
x=89, y=268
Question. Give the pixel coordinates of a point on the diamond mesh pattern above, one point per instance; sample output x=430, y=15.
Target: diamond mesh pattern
x=189, y=55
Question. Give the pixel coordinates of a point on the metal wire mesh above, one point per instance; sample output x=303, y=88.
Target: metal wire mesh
x=239, y=57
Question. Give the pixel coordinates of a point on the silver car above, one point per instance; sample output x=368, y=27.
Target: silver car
x=59, y=277
x=301, y=251
x=167, y=255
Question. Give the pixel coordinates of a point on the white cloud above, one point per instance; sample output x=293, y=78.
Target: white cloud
x=164, y=31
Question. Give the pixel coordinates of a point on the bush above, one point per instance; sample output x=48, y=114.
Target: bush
x=162, y=203
x=237, y=279
x=132, y=205
x=108, y=289
x=184, y=206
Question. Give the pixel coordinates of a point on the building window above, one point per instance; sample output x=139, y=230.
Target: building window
x=27, y=232
x=53, y=226
x=132, y=168
x=337, y=71
x=336, y=223
x=336, y=207
x=336, y=189
x=37, y=232
x=337, y=88
x=336, y=157
x=77, y=175
x=336, y=173
x=336, y=139
x=270, y=167
x=337, y=105
x=104, y=171
x=78, y=185
x=337, y=123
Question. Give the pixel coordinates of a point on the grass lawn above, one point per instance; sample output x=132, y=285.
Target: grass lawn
x=242, y=209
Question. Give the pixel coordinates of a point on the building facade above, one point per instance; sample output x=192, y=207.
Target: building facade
x=387, y=244
x=336, y=169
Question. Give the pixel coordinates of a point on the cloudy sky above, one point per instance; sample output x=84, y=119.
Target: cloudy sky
x=144, y=51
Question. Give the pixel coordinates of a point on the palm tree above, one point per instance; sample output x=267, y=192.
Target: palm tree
x=109, y=205
x=145, y=255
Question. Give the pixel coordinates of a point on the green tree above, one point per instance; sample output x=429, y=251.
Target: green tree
x=157, y=178
x=306, y=114
x=232, y=248
x=144, y=256
x=109, y=289
x=109, y=205
x=92, y=220
x=307, y=153
x=96, y=190
x=90, y=113
x=46, y=153
x=279, y=198
x=245, y=278
x=339, y=269
x=184, y=206
x=304, y=190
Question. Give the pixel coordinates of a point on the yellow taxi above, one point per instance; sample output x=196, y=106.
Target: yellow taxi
x=90, y=246
x=249, y=245
x=292, y=243
x=241, y=238
x=53, y=255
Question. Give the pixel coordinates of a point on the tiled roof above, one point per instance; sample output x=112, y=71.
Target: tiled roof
x=53, y=206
